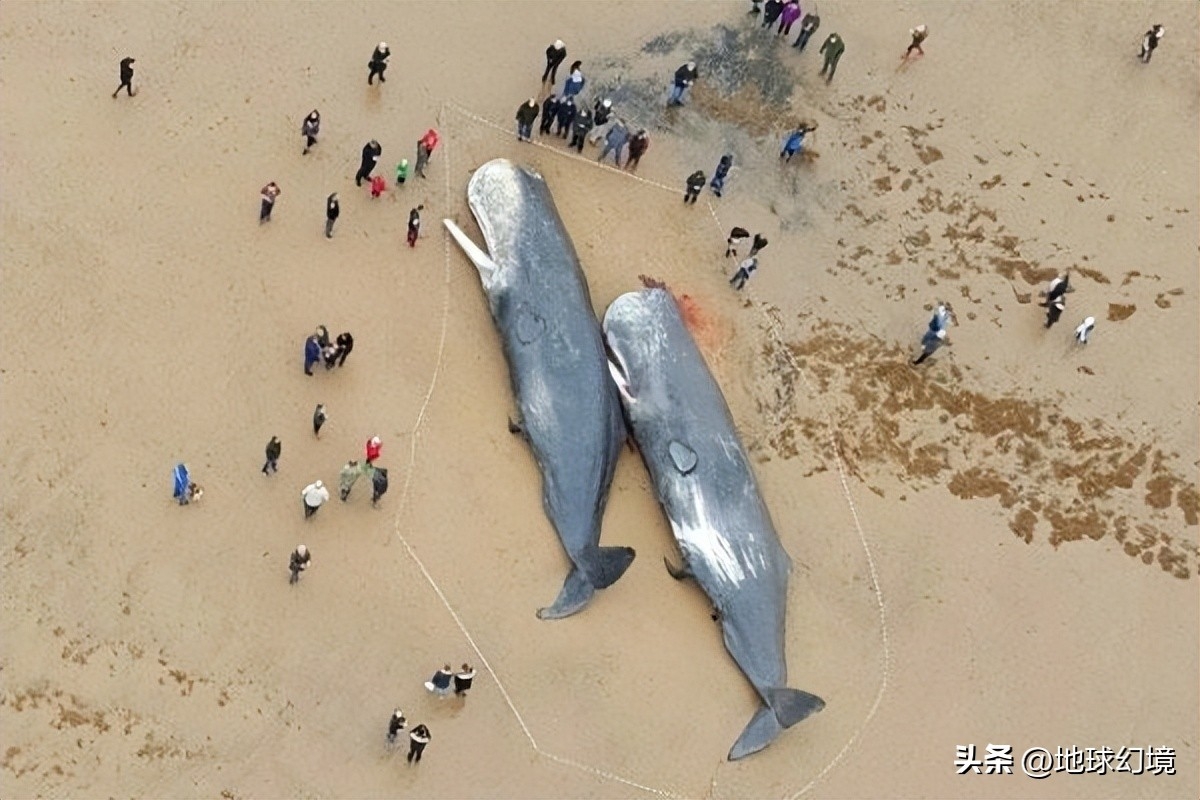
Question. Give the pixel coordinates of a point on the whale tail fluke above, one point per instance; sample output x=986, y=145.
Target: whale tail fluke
x=604, y=566
x=610, y=564
x=787, y=707
x=576, y=592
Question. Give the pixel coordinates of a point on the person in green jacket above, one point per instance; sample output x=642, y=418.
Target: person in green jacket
x=346, y=479
x=402, y=172
x=833, y=49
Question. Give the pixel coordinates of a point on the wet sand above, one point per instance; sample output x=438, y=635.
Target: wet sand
x=1000, y=548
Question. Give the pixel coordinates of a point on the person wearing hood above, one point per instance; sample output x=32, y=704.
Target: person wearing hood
x=579, y=129
x=601, y=120
x=575, y=80
x=332, y=210
x=833, y=47
x=309, y=130
x=378, y=63
x=695, y=185
x=314, y=496
x=566, y=115
x=787, y=17
x=1149, y=43
x=555, y=54
x=126, y=77
x=808, y=26
x=685, y=76
x=370, y=156
x=722, y=172
x=549, y=113
x=527, y=114
x=298, y=562
x=614, y=142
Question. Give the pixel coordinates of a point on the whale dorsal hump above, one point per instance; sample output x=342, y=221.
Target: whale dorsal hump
x=682, y=456
x=530, y=326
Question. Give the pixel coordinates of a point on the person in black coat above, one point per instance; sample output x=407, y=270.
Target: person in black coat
x=580, y=128
x=378, y=63
x=695, y=184
x=332, y=210
x=370, y=156
x=555, y=55
x=126, y=76
x=549, y=112
x=345, y=343
x=566, y=115
x=771, y=12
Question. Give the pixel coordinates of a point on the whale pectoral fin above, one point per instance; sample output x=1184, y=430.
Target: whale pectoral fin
x=575, y=594
x=482, y=261
x=516, y=428
x=618, y=375
x=678, y=573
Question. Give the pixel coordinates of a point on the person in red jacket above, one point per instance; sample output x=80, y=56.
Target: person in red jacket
x=425, y=147
x=374, y=446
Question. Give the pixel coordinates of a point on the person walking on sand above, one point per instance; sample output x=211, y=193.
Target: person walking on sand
x=614, y=142
x=566, y=115
x=298, y=562
x=772, y=12
x=378, y=63
x=463, y=679
x=439, y=684
x=601, y=116
x=744, y=271
x=319, y=418
x=695, y=184
x=1056, y=298
x=269, y=193
x=309, y=130
x=555, y=55
x=1085, y=330
x=549, y=113
x=1054, y=310
x=737, y=236
x=833, y=49
x=794, y=142
x=425, y=147
x=378, y=186
x=370, y=157
x=274, y=448
x=312, y=353
x=418, y=737
x=575, y=80
x=379, y=484
x=579, y=130
x=787, y=17
x=332, y=210
x=1149, y=43
x=401, y=172
x=759, y=243
x=126, y=77
x=527, y=113
x=918, y=35
x=685, y=76
x=808, y=26
x=374, y=448
x=930, y=342
x=639, y=143
x=395, y=725
x=720, y=174
x=345, y=343
x=346, y=479
x=414, y=225
x=314, y=496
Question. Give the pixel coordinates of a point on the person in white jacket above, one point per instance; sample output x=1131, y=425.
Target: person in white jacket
x=314, y=496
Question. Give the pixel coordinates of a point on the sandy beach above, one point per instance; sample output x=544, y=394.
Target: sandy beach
x=997, y=548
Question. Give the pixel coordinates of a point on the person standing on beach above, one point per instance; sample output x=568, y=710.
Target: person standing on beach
x=401, y=172
x=566, y=115
x=795, y=142
x=332, y=210
x=930, y=342
x=614, y=142
x=772, y=12
x=527, y=113
x=439, y=684
x=918, y=35
x=425, y=147
x=579, y=130
x=298, y=562
x=695, y=185
x=379, y=484
x=374, y=448
x=685, y=76
x=549, y=112
x=601, y=114
x=274, y=448
x=1056, y=300
x=309, y=130
x=1085, y=330
x=347, y=478
x=312, y=353
x=378, y=186
x=370, y=156
x=744, y=271
x=1149, y=43
x=319, y=418
x=722, y=172
x=418, y=738
x=736, y=237
x=126, y=77
x=833, y=49
x=555, y=55
x=759, y=243
x=463, y=679
x=808, y=26
x=791, y=12
x=395, y=725
x=414, y=225
x=269, y=193
x=314, y=496
x=639, y=143
x=378, y=63
x=345, y=343
x=575, y=80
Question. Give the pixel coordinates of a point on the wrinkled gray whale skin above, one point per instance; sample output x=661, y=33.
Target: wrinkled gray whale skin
x=570, y=412
x=704, y=482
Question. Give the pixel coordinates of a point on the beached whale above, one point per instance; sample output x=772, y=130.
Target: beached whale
x=704, y=482
x=568, y=405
